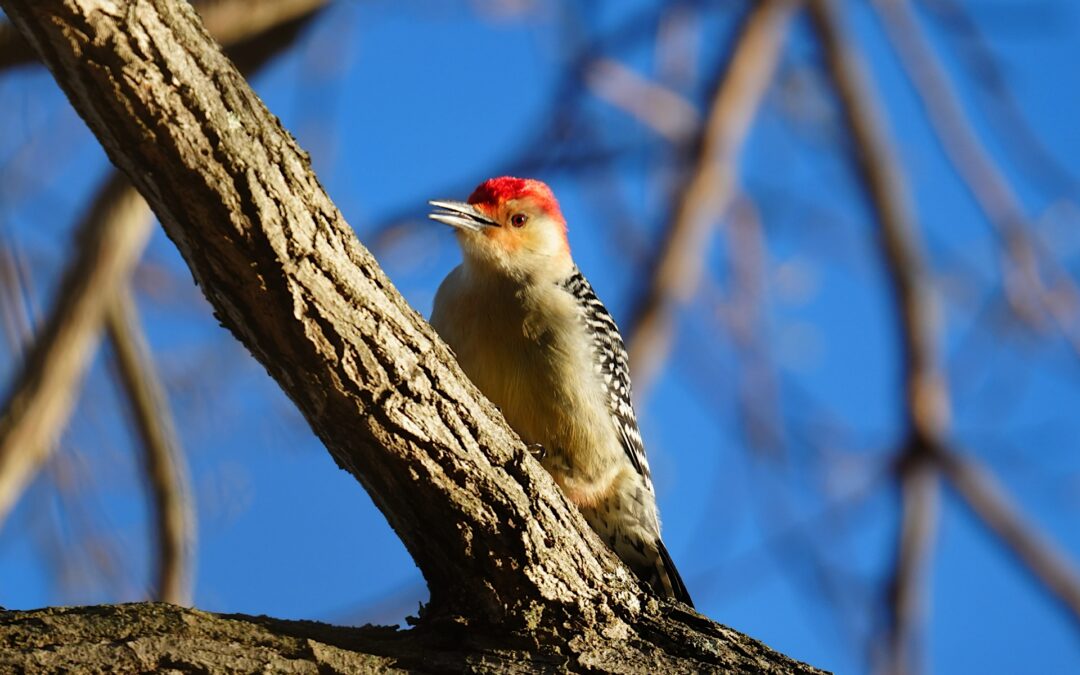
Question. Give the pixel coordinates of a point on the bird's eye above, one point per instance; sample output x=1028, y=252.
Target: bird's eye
x=519, y=219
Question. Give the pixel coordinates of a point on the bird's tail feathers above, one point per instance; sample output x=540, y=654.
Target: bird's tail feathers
x=665, y=579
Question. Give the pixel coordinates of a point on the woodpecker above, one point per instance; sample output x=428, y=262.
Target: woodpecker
x=530, y=332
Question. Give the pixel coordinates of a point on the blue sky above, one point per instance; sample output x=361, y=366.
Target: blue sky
x=402, y=102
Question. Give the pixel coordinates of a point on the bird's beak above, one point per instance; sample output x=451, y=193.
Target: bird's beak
x=460, y=215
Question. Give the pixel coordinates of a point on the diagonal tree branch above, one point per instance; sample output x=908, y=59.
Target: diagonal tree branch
x=709, y=190
x=498, y=544
x=14, y=51
x=988, y=500
x=286, y=275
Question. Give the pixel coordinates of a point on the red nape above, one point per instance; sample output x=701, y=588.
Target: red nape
x=495, y=191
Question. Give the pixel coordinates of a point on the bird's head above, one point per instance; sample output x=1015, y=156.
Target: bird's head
x=510, y=226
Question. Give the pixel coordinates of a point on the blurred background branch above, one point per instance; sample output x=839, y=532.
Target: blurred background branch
x=163, y=459
x=926, y=399
x=708, y=189
x=94, y=296
x=806, y=379
x=109, y=243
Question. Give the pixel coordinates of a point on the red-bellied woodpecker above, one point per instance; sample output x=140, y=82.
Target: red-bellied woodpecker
x=531, y=334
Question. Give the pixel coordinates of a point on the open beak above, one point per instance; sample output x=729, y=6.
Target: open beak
x=460, y=215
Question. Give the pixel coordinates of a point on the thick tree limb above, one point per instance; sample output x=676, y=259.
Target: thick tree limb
x=498, y=544
x=13, y=48
x=709, y=189
x=286, y=275
x=155, y=638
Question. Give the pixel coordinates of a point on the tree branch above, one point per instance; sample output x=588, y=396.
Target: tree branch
x=925, y=396
x=285, y=274
x=109, y=244
x=37, y=410
x=991, y=503
x=163, y=459
x=497, y=542
x=708, y=192
x=985, y=181
x=156, y=637
x=231, y=22
x=654, y=105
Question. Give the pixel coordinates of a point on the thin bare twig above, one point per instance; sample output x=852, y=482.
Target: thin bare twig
x=1004, y=111
x=110, y=243
x=17, y=320
x=926, y=399
x=654, y=105
x=709, y=190
x=981, y=175
x=991, y=503
x=107, y=247
x=744, y=318
x=1003, y=209
x=163, y=460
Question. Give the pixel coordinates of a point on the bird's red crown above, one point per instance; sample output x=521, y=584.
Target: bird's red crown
x=493, y=192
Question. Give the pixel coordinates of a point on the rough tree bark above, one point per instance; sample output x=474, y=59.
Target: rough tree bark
x=518, y=581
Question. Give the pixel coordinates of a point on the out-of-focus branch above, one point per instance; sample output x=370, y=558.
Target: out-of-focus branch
x=743, y=317
x=233, y=21
x=977, y=169
x=654, y=105
x=989, y=501
x=107, y=247
x=925, y=396
x=984, y=68
x=230, y=22
x=163, y=460
x=17, y=319
x=710, y=187
x=920, y=497
x=1002, y=207
x=110, y=243
x=678, y=46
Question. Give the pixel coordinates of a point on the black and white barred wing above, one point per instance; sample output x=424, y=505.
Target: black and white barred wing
x=612, y=367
